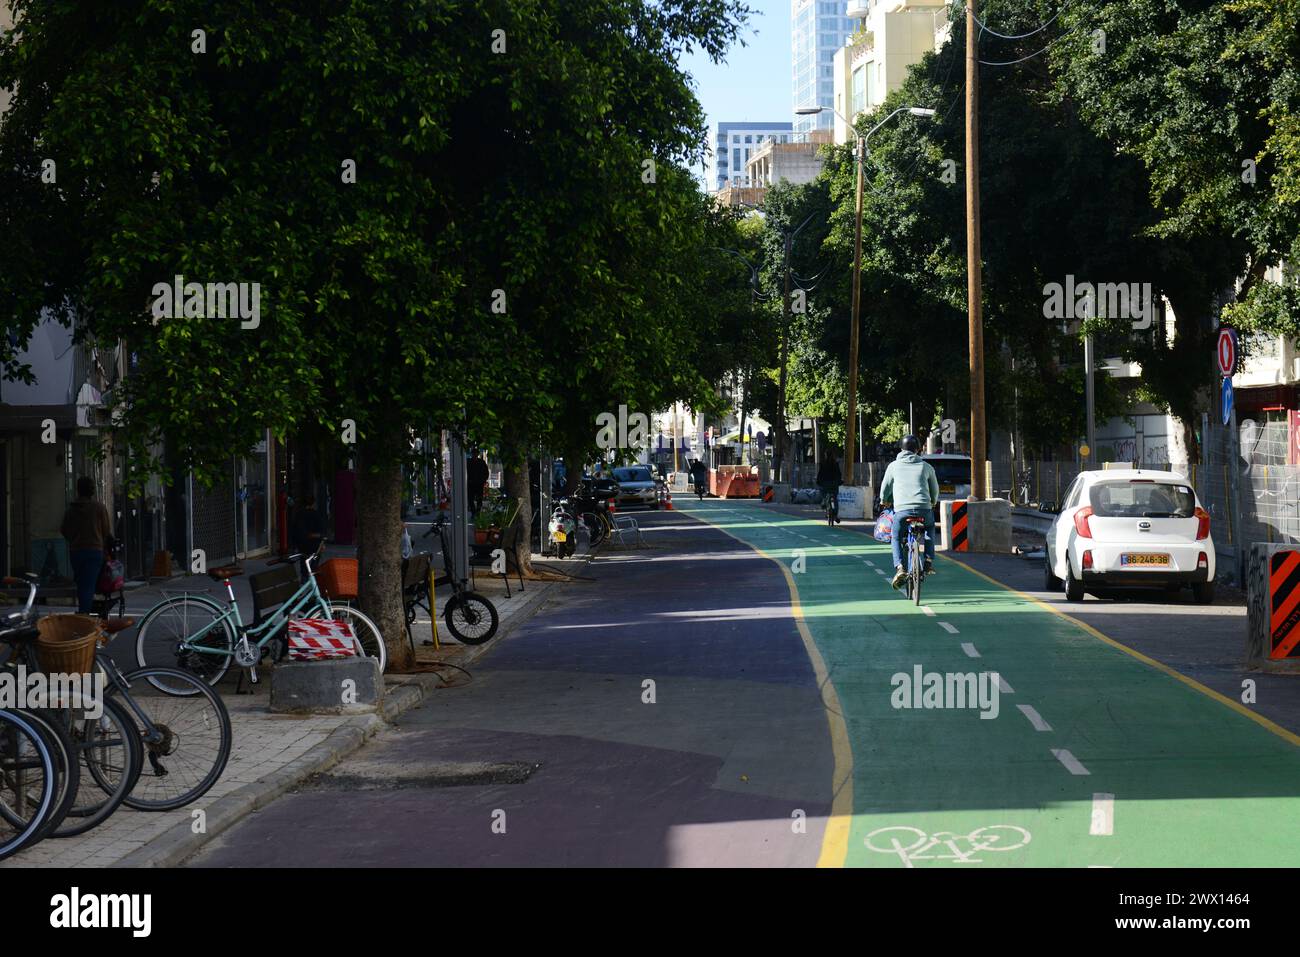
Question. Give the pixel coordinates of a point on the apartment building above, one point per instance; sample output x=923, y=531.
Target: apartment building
x=735, y=142
x=818, y=29
x=889, y=37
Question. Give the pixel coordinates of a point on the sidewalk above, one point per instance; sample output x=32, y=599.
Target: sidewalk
x=271, y=753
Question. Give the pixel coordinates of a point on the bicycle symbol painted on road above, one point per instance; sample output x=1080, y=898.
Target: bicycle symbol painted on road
x=913, y=844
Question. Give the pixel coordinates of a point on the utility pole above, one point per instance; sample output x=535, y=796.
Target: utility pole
x=1089, y=360
x=853, y=328
x=974, y=290
x=785, y=356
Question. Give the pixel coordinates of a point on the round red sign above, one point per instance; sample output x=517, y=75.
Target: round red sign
x=1227, y=351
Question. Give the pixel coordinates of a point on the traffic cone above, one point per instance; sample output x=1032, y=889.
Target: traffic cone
x=668, y=505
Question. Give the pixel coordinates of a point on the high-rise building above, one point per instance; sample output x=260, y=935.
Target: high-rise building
x=818, y=29
x=734, y=143
x=875, y=60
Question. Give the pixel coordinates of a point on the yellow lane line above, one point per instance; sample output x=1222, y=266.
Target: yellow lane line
x=835, y=841
x=1236, y=706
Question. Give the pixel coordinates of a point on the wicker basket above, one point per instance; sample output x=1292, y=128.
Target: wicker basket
x=337, y=578
x=67, y=643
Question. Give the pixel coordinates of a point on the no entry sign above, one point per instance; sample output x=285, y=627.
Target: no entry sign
x=1227, y=351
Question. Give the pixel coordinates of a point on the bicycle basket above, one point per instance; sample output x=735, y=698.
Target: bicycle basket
x=67, y=643
x=337, y=578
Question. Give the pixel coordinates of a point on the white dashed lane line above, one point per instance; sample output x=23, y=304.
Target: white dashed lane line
x=948, y=628
x=1103, y=814
x=1070, y=761
x=970, y=650
x=928, y=610
x=1034, y=717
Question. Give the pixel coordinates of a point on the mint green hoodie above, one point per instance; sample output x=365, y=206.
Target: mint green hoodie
x=910, y=483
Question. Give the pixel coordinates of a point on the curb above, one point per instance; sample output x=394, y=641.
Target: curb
x=176, y=845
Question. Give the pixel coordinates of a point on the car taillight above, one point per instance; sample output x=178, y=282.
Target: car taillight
x=1203, y=561
x=1087, y=559
x=1203, y=523
x=1081, y=521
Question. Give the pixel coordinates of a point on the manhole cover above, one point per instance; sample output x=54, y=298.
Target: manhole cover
x=452, y=775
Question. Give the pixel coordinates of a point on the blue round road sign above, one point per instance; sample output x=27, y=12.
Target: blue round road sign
x=1227, y=399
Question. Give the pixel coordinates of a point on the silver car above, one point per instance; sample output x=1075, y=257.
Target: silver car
x=637, y=486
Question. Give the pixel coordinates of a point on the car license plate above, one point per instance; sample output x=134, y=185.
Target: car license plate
x=560, y=537
x=947, y=489
x=1145, y=560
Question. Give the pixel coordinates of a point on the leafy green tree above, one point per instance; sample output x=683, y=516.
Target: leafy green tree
x=443, y=202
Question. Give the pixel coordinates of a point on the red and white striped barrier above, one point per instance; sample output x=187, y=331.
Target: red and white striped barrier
x=318, y=639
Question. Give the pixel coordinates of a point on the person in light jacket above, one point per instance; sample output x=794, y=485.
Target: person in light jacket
x=910, y=487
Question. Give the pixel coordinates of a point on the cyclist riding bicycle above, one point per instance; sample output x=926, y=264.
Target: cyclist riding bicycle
x=829, y=481
x=911, y=488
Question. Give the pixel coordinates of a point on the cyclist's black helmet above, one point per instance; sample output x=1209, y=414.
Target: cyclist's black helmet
x=911, y=444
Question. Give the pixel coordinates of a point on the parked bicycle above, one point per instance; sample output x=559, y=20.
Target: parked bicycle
x=29, y=782
x=181, y=742
x=195, y=633
x=470, y=617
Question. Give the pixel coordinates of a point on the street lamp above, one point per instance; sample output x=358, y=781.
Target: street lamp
x=861, y=153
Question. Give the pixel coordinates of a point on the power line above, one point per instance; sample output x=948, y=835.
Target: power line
x=984, y=28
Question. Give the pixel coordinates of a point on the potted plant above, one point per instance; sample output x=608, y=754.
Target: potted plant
x=495, y=515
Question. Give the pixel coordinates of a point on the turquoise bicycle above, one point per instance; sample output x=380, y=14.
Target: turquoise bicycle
x=195, y=633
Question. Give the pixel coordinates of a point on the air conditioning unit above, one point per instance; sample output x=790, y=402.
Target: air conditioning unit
x=861, y=9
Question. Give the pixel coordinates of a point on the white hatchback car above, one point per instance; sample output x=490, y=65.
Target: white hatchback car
x=1131, y=527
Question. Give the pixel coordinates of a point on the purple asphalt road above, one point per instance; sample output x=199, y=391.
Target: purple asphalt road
x=553, y=740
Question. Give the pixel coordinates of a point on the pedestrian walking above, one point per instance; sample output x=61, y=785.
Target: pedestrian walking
x=87, y=528
x=476, y=476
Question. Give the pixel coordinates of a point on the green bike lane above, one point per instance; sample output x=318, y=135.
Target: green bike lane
x=1095, y=758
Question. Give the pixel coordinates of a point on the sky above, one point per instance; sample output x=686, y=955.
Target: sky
x=753, y=81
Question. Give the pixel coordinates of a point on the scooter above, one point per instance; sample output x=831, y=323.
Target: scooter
x=561, y=531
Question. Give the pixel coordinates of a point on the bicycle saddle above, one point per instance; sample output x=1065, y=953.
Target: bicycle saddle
x=113, y=625
x=222, y=572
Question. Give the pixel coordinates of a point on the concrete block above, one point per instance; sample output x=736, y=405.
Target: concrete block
x=781, y=492
x=1262, y=640
x=985, y=526
x=856, y=501
x=336, y=686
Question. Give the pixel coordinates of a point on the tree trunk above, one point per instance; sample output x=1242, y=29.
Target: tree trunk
x=514, y=480
x=379, y=551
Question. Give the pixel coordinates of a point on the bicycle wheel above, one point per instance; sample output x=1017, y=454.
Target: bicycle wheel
x=28, y=782
x=596, y=528
x=918, y=570
x=108, y=748
x=191, y=739
x=158, y=644
x=471, y=618
x=66, y=768
x=365, y=629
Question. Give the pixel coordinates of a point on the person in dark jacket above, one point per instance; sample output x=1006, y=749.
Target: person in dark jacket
x=87, y=528
x=308, y=528
x=476, y=476
x=700, y=476
x=829, y=480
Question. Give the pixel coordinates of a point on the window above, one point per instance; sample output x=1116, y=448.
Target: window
x=859, y=90
x=1142, y=499
x=735, y=158
x=951, y=471
x=749, y=139
x=735, y=137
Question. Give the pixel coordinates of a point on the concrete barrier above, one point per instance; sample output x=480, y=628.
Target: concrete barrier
x=856, y=501
x=1273, y=607
x=336, y=686
x=975, y=526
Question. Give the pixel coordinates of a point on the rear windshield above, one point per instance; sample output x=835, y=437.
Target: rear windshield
x=1142, y=500
x=951, y=471
x=632, y=475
